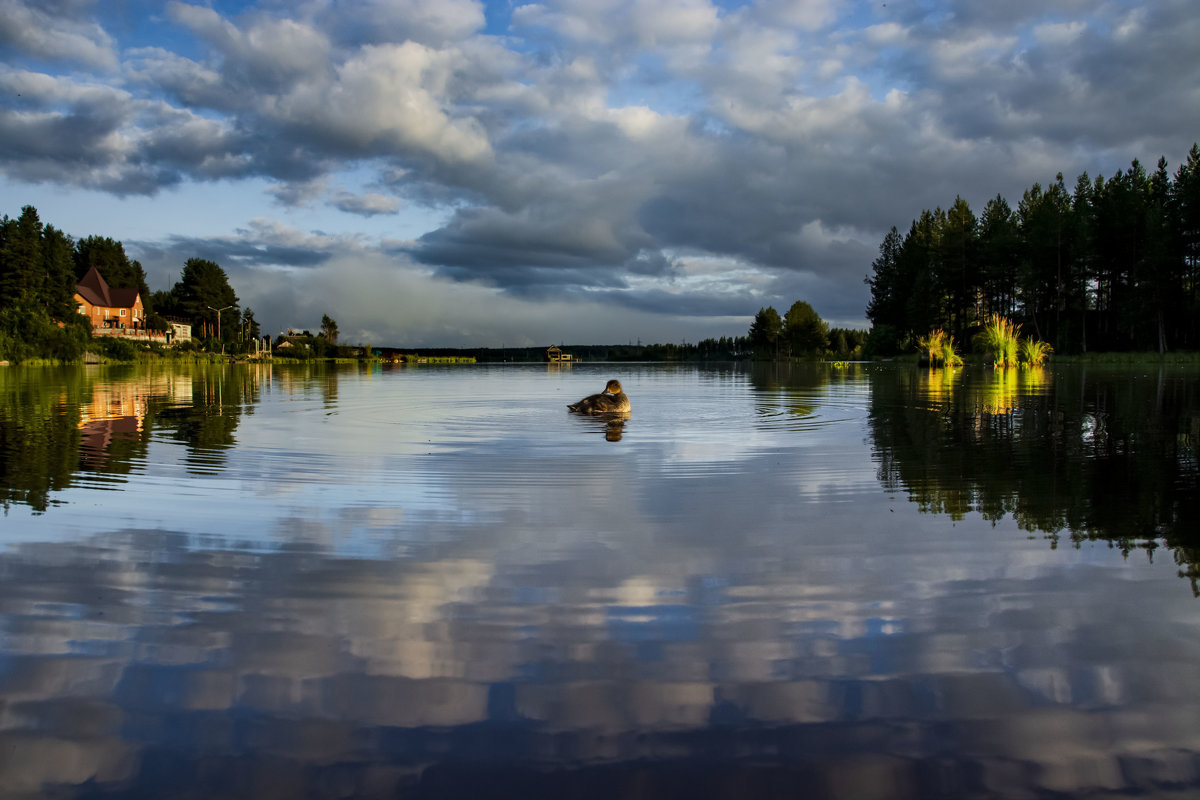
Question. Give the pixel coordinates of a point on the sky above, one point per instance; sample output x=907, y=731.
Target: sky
x=451, y=173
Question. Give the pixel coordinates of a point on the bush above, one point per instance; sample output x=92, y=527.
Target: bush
x=115, y=348
x=28, y=332
x=13, y=349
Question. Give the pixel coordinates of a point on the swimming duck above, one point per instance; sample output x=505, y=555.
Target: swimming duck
x=611, y=400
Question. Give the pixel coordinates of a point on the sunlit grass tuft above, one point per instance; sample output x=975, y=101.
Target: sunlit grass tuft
x=940, y=348
x=1034, y=352
x=1000, y=337
x=932, y=344
x=949, y=354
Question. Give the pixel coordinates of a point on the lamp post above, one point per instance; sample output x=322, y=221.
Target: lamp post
x=219, y=310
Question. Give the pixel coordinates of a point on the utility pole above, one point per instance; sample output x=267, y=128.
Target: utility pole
x=219, y=310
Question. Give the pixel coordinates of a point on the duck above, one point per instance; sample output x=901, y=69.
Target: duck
x=611, y=400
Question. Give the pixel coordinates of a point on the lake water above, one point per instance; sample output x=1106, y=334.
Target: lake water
x=420, y=582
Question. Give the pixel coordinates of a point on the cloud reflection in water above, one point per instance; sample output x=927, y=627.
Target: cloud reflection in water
x=535, y=609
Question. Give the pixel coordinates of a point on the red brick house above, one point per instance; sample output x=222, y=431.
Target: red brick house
x=109, y=308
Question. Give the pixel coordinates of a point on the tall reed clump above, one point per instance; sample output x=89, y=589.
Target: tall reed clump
x=950, y=356
x=1034, y=352
x=1000, y=336
x=932, y=345
x=940, y=348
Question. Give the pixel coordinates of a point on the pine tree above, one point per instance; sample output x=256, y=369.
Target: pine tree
x=765, y=333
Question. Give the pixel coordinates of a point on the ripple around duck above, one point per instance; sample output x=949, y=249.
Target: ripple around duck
x=808, y=412
x=486, y=429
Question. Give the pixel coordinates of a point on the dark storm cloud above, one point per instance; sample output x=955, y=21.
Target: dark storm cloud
x=657, y=301
x=245, y=252
x=485, y=240
x=525, y=281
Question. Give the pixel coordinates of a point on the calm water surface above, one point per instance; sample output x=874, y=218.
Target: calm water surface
x=435, y=582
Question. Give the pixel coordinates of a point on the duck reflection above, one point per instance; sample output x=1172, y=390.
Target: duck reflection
x=612, y=424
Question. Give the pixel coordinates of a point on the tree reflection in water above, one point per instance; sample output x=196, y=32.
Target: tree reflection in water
x=1089, y=453
x=394, y=588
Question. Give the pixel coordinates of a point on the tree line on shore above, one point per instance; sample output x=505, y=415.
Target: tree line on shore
x=1112, y=264
x=801, y=333
x=840, y=343
x=40, y=267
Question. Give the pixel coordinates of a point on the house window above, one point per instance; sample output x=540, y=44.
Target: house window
x=122, y=312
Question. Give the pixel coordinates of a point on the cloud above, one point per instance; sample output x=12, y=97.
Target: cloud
x=432, y=22
x=367, y=205
x=593, y=152
x=263, y=243
x=298, y=193
x=55, y=31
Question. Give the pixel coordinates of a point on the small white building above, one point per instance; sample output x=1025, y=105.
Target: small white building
x=180, y=331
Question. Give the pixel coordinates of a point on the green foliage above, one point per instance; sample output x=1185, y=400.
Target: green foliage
x=26, y=332
x=1034, y=352
x=37, y=312
x=115, y=348
x=949, y=354
x=58, y=287
x=204, y=296
x=725, y=348
x=39, y=436
x=884, y=341
x=940, y=349
x=21, y=258
x=801, y=332
x=804, y=331
x=846, y=343
x=765, y=333
x=931, y=345
x=166, y=303
x=1112, y=264
x=40, y=267
x=999, y=337
x=329, y=329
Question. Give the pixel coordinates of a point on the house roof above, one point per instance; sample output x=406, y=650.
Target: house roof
x=93, y=288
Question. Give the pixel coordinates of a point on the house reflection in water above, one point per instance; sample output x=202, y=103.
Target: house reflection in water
x=114, y=419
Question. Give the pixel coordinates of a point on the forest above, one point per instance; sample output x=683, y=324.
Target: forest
x=40, y=267
x=801, y=333
x=1107, y=265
